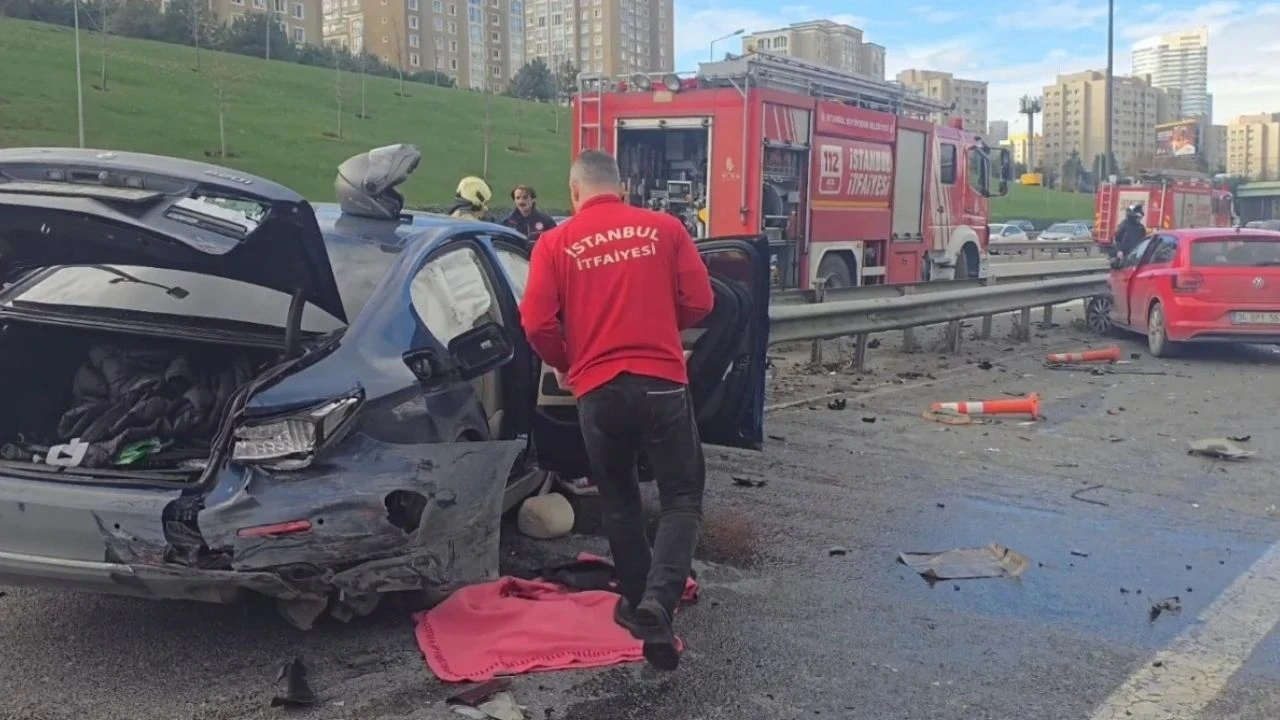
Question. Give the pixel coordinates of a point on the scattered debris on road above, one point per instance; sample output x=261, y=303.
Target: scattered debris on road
x=951, y=417
x=477, y=694
x=837, y=551
x=1239, y=438
x=837, y=404
x=1219, y=449
x=1076, y=495
x=869, y=419
x=1171, y=605
x=749, y=482
x=1079, y=553
x=489, y=700
x=297, y=691
x=991, y=561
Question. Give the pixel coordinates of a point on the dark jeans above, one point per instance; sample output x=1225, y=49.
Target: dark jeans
x=619, y=419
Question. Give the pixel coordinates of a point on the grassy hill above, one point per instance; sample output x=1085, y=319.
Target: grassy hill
x=282, y=119
x=1041, y=206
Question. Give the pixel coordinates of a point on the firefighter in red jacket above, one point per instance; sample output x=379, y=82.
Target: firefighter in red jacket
x=626, y=281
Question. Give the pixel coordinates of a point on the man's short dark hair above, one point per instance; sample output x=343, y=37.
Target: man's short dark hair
x=597, y=169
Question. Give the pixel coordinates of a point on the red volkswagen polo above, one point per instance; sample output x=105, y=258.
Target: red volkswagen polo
x=1198, y=285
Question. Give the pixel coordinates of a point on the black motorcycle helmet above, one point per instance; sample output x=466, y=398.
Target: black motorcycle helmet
x=1134, y=212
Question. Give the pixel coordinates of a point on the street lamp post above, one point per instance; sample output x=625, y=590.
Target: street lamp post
x=735, y=33
x=79, y=83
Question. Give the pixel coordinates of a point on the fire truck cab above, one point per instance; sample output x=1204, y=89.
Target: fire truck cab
x=845, y=175
x=1171, y=199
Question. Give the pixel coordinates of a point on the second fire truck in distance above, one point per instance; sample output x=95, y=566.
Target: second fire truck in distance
x=845, y=174
x=1171, y=199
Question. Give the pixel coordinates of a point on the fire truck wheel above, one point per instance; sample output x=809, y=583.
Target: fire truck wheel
x=966, y=263
x=835, y=271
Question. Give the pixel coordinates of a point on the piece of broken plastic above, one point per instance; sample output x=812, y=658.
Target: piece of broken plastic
x=1220, y=448
x=297, y=691
x=991, y=561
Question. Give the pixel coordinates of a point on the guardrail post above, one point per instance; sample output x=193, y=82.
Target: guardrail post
x=859, y=361
x=909, y=334
x=1024, y=324
x=986, y=319
x=1048, y=316
x=815, y=349
x=955, y=333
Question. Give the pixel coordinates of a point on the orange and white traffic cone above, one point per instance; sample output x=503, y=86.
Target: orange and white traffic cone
x=1109, y=354
x=1029, y=404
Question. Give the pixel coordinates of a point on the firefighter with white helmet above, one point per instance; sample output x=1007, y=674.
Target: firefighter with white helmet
x=471, y=200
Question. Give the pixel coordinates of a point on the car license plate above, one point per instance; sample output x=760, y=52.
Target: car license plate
x=1255, y=318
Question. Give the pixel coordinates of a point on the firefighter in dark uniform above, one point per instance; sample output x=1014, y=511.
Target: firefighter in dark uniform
x=527, y=218
x=1130, y=232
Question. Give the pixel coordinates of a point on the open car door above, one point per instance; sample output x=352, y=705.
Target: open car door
x=726, y=355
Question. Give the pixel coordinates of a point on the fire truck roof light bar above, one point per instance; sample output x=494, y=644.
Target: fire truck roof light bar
x=764, y=69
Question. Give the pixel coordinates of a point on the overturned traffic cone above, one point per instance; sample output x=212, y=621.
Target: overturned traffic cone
x=1029, y=404
x=1109, y=354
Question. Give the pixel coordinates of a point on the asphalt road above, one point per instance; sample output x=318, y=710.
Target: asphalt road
x=787, y=630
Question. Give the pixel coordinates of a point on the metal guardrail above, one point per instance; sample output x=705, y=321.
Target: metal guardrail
x=869, y=292
x=1052, y=248
x=861, y=317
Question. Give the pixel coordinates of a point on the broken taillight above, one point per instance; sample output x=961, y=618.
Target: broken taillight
x=1187, y=282
x=290, y=442
x=285, y=528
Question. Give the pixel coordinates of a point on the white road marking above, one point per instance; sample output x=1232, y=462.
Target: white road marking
x=1177, y=683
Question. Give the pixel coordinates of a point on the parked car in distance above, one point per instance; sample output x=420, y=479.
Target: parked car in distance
x=1198, y=285
x=1026, y=225
x=1001, y=233
x=1088, y=224
x=1263, y=225
x=1066, y=232
x=216, y=387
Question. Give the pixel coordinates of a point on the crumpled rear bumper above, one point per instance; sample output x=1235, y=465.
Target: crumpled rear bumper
x=382, y=518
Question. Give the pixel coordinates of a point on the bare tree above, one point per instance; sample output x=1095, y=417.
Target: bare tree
x=364, y=65
x=337, y=83
x=103, y=22
x=520, y=125
x=196, y=23
x=395, y=28
x=487, y=128
x=220, y=96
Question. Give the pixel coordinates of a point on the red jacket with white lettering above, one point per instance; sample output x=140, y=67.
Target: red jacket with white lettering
x=609, y=292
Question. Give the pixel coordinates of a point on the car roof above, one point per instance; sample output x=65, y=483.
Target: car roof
x=1217, y=233
x=421, y=226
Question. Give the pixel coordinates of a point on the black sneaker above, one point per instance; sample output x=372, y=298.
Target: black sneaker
x=653, y=628
x=625, y=616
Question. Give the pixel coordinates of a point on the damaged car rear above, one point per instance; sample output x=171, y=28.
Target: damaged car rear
x=199, y=405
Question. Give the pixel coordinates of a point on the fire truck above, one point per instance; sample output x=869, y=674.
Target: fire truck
x=1170, y=199
x=846, y=175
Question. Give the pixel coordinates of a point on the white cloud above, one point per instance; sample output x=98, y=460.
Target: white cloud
x=934, y=15
x=1047, y=15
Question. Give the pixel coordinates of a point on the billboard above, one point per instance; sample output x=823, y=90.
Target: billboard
x=1178, y=140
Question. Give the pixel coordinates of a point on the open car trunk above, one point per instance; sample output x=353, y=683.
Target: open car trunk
x=87, y=402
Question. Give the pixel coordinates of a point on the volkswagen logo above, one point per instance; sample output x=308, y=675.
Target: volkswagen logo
x=1258, y=283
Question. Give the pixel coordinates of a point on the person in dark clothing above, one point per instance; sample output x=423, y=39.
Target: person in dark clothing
x=625, y=364
x=1130, y=233
x=527, y=218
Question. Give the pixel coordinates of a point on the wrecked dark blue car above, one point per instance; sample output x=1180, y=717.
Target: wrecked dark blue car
x=214, y=387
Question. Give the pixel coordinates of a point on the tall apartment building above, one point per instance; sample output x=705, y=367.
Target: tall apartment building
x=823, y=42
x=299, y=19
x=969, y=96
x=1253, y=146
x=613, y=37
x=1074, y=117
x=997, y=131
x=479, y=43
x=1213, y=141
x=1178, y=61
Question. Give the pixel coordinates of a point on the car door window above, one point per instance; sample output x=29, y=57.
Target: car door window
x=516, y=266
x=1164, y=251
x=1131, y=260
x=1012, y=231
x=454, y=293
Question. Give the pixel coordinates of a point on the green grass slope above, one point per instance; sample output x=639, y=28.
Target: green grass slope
x=280, y=117
x=1041, y=205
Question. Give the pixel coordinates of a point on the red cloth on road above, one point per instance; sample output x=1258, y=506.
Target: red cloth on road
x=512, y=626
